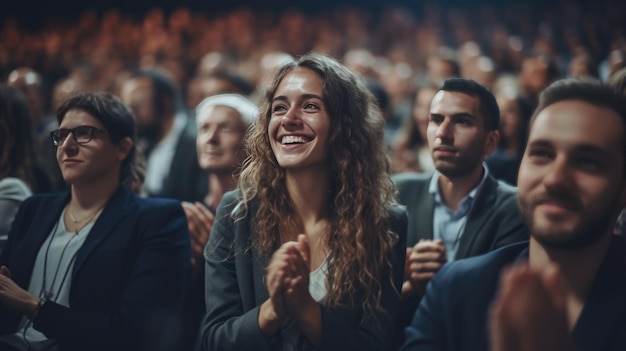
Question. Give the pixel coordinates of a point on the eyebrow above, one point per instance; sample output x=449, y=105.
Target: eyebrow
x=456, y=115
x=303, y=97
x=581, y=148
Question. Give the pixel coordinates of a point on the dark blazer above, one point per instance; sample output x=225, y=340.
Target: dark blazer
x=453, y=315
x=493, y=222
x=235, y=290
x=186, y=181
x=128, y=281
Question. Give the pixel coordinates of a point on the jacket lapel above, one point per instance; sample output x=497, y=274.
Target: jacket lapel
x=41, y=231
x=113, y=212
x=483, y=204
x=425, y=213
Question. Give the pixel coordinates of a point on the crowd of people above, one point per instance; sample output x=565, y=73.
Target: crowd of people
x=445, y=179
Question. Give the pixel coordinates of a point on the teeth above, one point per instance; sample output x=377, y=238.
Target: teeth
x=292, y=139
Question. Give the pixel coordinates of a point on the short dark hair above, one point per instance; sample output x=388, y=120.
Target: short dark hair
x=586, y=89
x=118, y=121
x=486, y=101
x=163, y=89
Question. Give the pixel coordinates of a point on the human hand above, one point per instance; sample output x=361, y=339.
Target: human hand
x=422, y=262
x=14, y=298
x=529, y=313
x=298, y=299
x=199, y=222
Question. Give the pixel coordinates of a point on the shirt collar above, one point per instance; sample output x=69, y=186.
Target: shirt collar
x=433, y=187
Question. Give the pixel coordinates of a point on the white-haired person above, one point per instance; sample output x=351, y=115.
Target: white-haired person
x=222, y=123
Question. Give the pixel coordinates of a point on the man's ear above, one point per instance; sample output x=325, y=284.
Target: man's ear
x=124, y=147
x=493, y=137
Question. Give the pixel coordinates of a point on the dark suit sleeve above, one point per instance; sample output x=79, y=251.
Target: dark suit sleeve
x=227, y=325
x=151, y=299
x=427, y=329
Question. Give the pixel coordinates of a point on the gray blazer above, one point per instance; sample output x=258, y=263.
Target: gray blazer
x=493, y=222
x=235, y=290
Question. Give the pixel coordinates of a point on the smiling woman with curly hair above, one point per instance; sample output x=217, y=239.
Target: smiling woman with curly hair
x=308, y=252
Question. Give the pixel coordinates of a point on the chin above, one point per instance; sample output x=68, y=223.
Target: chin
x=566, y=237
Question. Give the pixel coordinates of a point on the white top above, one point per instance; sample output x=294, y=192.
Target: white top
x=160, y=159
x=293, y=339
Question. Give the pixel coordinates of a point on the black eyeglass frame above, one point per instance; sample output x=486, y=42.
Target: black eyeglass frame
x=59, y=136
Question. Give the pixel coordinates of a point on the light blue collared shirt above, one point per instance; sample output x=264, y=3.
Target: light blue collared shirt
x=448, y=225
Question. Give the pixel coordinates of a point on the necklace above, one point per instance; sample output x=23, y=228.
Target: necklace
x=88, y=219
x=48, y=292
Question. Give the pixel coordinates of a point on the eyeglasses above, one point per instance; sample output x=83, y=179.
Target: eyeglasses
x=81, y=134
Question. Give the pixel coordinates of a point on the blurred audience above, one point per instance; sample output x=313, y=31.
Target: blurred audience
x=410, y=151
x=167, y=136
x=17, y=157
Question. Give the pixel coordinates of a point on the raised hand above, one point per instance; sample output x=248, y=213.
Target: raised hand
x=422, y=262
x=529, y=312
x=199, y=222
x=280, y=272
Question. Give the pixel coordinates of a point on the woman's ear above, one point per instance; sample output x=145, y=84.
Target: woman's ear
x=124, y=147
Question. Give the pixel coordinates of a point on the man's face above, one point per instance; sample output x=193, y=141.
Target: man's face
x=457, y=138
x=571, y=182
x=138, y=94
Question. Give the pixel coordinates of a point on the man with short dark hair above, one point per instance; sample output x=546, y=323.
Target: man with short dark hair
x=572, y=184
x=167, y=135
x=461, y=210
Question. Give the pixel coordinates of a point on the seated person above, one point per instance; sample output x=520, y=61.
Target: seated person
x=222, y=123
x=97, y=267
x=572, y=185
x=308, y=252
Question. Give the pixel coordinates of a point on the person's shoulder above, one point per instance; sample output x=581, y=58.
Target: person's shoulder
x=481, y=265
x=232, y=197
x=411, y=177
x=398, y=218
x=504, y=188
x=396, y=212
x=14, y=188
x=152, y=204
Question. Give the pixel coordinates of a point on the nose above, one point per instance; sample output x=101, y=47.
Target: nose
x=291, y=117
x=559, y=175
x=212, y=136
x=444, y=130
x=68, y=141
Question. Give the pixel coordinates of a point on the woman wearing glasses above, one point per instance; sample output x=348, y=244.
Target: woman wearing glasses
x=97, y=267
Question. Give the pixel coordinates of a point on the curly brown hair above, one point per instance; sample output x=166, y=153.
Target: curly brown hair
x=359, y=238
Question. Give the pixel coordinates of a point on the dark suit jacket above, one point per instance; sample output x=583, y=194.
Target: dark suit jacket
x=128, y=281
x=186, y=180
x=235, y=290
x=493, y=222
x=453, y=313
